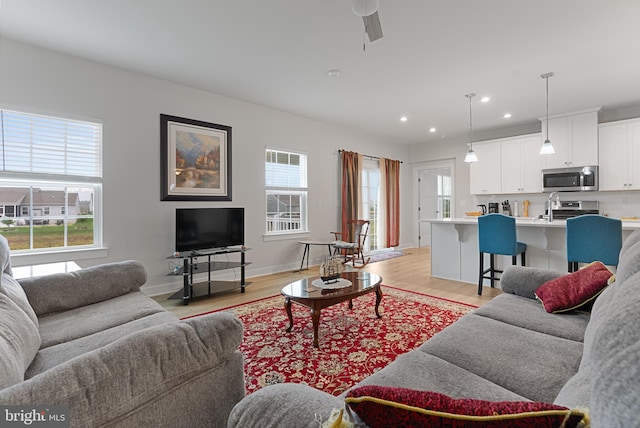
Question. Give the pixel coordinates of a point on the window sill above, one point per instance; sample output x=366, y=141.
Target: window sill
x=34, y=258
x=285, y=236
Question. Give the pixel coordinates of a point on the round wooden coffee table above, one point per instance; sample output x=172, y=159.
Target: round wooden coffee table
x=316, y=299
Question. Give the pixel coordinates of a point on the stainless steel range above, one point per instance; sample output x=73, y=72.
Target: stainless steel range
x=568, y=209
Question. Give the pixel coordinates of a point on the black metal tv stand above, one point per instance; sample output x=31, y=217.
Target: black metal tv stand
x=191, y=266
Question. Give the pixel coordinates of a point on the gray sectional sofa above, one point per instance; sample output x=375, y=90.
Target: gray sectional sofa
x=508, y=350
x=92, y=341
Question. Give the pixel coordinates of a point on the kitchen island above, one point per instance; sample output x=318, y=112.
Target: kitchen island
x=454, y=246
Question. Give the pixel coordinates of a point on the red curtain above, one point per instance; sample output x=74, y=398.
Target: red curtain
x=351, y=178
x=390, y=174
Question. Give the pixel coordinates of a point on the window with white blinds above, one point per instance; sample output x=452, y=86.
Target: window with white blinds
x=286, y=191
x=50, y=182
x=49, y=145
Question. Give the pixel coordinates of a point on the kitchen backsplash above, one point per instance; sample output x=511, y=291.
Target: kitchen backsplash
x=612, y=204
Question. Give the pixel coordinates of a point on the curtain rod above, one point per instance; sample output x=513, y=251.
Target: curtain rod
x=365, y=156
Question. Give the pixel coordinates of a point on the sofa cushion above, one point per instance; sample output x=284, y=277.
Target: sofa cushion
x=616, y=388
x=54, y=355
x=629, y=260
x=613, y=326
x=528, y=314
x=576, y=393
x=62, y=327
x=19, y=342
x=574, y=290
x=5, y=256
x=612, y=351
x=10, y=287
x=393, y=407
x=496, y=351
x=422, y=371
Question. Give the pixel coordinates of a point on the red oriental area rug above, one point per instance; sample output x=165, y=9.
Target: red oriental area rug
x=353, y=343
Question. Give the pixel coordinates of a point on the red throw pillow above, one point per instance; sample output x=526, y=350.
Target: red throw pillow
x=380, y=406
x=574, y=290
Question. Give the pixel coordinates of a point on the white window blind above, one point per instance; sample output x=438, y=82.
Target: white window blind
x=286, y=170
x=35, y=144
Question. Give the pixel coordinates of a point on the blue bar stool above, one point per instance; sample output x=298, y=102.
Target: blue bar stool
x=497, y=235
x=591, y=238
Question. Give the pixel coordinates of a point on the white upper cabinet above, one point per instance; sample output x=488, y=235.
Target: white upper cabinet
x=485, y=174
x=574, y=138
x=521, y=164
x=619, y=154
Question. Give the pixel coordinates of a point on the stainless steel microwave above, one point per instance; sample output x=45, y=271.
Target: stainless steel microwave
x=574, y=179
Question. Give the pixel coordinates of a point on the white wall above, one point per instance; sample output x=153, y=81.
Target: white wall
x=137, y=225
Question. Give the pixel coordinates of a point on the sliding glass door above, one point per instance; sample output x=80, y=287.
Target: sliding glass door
x=370, y=201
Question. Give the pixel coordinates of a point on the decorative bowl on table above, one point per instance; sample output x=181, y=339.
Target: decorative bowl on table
x=330, y=269
x=473, y=213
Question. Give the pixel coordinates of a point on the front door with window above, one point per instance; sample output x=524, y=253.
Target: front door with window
x=434, y=193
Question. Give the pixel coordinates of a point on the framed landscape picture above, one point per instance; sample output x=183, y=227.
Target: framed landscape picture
x=195, y=160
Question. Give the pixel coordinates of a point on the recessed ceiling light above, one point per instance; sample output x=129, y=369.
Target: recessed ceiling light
x=403, y=119
x=334, y=72
x=432, y=129
x=507, y=115
x=484, y=99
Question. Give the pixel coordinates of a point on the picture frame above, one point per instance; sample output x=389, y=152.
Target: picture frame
x=195, y=160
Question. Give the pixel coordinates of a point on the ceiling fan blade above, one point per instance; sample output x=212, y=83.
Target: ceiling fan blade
x=372, y=26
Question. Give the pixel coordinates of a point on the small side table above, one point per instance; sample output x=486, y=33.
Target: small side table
x=307, y=250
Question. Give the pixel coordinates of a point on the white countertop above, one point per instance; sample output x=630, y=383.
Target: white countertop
x=526, y=221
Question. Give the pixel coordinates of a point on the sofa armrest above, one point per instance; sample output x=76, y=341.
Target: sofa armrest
x=284, y=405
x=524, y=281
x=127, y=378
x=64, y=291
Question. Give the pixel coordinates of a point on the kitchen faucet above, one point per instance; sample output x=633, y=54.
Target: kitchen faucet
x=556, y=203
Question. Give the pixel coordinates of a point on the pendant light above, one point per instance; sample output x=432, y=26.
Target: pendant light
x=471, y=155
x=365, y=7
x=547, y=147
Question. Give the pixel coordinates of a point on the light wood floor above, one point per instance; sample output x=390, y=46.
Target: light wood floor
x=410, y=272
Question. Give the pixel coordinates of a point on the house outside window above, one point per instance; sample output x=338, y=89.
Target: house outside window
x=50, y=182
x=286, y=191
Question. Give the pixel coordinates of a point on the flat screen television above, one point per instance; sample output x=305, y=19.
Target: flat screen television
x=206, y=228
